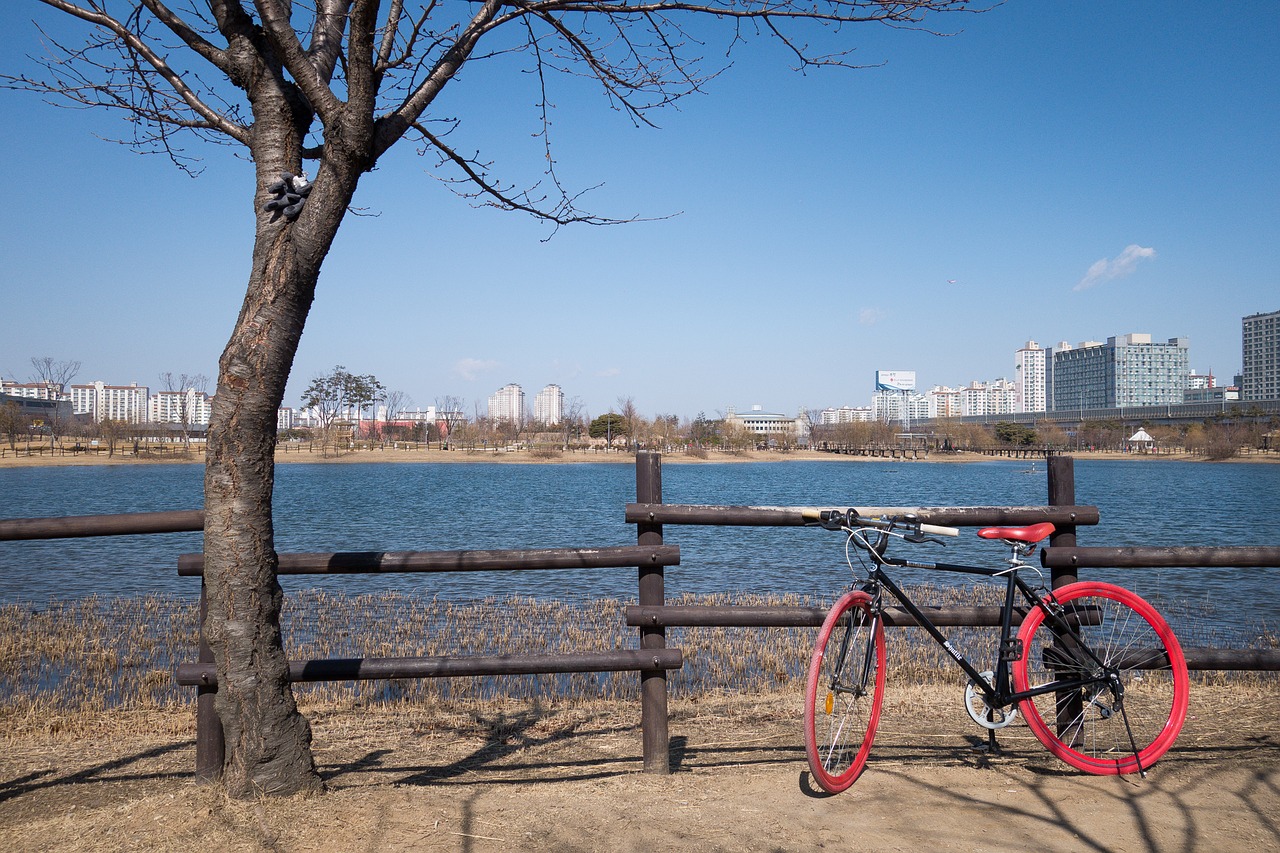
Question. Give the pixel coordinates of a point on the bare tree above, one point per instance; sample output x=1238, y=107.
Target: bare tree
x=452, y=412
x=184, y=390
x=56, y=375
x=571, y=420
x=338, y=83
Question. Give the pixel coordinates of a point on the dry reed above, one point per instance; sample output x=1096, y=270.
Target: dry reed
x=87, y=656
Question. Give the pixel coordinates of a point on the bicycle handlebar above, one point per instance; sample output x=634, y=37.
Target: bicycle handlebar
x=834, y=519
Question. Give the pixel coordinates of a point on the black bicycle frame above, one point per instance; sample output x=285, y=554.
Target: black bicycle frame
x=997, y=695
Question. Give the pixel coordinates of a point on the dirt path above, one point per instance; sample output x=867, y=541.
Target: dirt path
x=553, y=779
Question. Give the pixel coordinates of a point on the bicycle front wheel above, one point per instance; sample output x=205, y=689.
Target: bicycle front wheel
x=844, y=692
x=1130, y=708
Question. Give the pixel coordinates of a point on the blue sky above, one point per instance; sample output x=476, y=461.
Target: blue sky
x=1052, y=171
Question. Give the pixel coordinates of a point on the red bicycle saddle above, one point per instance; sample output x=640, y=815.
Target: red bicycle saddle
x=1031, y=533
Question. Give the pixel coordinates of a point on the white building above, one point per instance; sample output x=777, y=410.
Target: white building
x=126, y=403
x=548, y=406
x=989, y=398
x=169, y=407
x=284, y=418
x=1029, y=378
x=760, y=422
x=507, y=404
x=417, y=416
x=944, y=402
x=903, y=407
x=30, y=390
x=846, y=415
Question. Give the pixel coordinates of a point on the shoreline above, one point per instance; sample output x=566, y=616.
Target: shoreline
x=16, y=459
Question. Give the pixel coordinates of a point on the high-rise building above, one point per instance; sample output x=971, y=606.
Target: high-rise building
x=1127, y=371
x=901, y=407
x=944, y=402
x=174, y=407
x=998, y=397
x=507, y=404
x=1029, y=378
x=1260, y=350
x=548, y=406
x=126, y=403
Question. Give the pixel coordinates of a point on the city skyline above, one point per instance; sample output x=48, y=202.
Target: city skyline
x=1053, y=171
x=1164, y=367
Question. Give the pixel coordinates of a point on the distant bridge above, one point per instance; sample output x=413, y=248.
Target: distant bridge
x=1169, y=414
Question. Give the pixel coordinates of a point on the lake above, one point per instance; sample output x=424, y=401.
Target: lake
x=388, y=506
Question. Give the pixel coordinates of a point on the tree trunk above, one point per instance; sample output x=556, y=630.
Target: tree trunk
x=268, y=740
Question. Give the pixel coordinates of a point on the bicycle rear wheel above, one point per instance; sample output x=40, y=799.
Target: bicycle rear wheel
x=1127, y=718
x=844, y=692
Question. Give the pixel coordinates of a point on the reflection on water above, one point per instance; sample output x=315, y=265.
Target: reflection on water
x=379, y=506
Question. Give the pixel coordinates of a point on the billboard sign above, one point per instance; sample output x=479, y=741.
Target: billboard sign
x=895, y=380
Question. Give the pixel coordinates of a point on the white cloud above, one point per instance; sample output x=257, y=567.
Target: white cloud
x=870, y=316
x=609, y=371
x=1121, y=265
x=471, y=368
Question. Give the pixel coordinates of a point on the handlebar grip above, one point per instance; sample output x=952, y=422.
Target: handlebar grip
x=939, y=530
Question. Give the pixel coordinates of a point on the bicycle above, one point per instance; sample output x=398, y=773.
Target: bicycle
x=1094, y=670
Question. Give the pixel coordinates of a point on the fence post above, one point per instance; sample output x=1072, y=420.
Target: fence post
x=1069, y=705
x=653, y=683
x=1062, y=492
x=210, y=741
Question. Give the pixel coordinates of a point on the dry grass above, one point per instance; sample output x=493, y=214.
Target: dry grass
x=63, y=666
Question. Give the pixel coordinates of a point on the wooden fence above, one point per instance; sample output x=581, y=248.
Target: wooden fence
x=651, y=616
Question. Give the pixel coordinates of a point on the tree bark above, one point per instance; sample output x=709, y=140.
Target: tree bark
x=268, y=739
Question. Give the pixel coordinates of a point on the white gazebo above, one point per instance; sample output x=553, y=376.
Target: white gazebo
x=1142, y=440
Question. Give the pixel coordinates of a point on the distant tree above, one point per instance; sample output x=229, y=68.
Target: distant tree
x=12, y=422
x=337, y=394
x=571, y=421
x=452, y=413
x=1017, y=434
x=56, y=375
x=666, y=431
x=111, y=433
x=700, y=430
x=186, y=388
x=1050, y=433
x=609, y=426
x=632, y=421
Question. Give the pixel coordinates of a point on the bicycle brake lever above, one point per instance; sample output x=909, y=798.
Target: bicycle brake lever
x=920, y=539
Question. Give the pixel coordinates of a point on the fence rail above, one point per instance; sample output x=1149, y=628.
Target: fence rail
x=121, y=524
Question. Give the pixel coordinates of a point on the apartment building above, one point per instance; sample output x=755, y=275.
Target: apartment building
x=999, y=397
x=175, y=407
x=128, y=403
x=845, y=415
x=944, y=402
x=1029, y=378
x=904, y=407
x=1260, y=350
x=507, y=404
x=548, y=405
x=30, y=390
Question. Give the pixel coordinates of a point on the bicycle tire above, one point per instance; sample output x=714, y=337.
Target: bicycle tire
x=840, y=724
x=1087, y=727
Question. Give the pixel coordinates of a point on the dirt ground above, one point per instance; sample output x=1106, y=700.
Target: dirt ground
x=520, y=778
